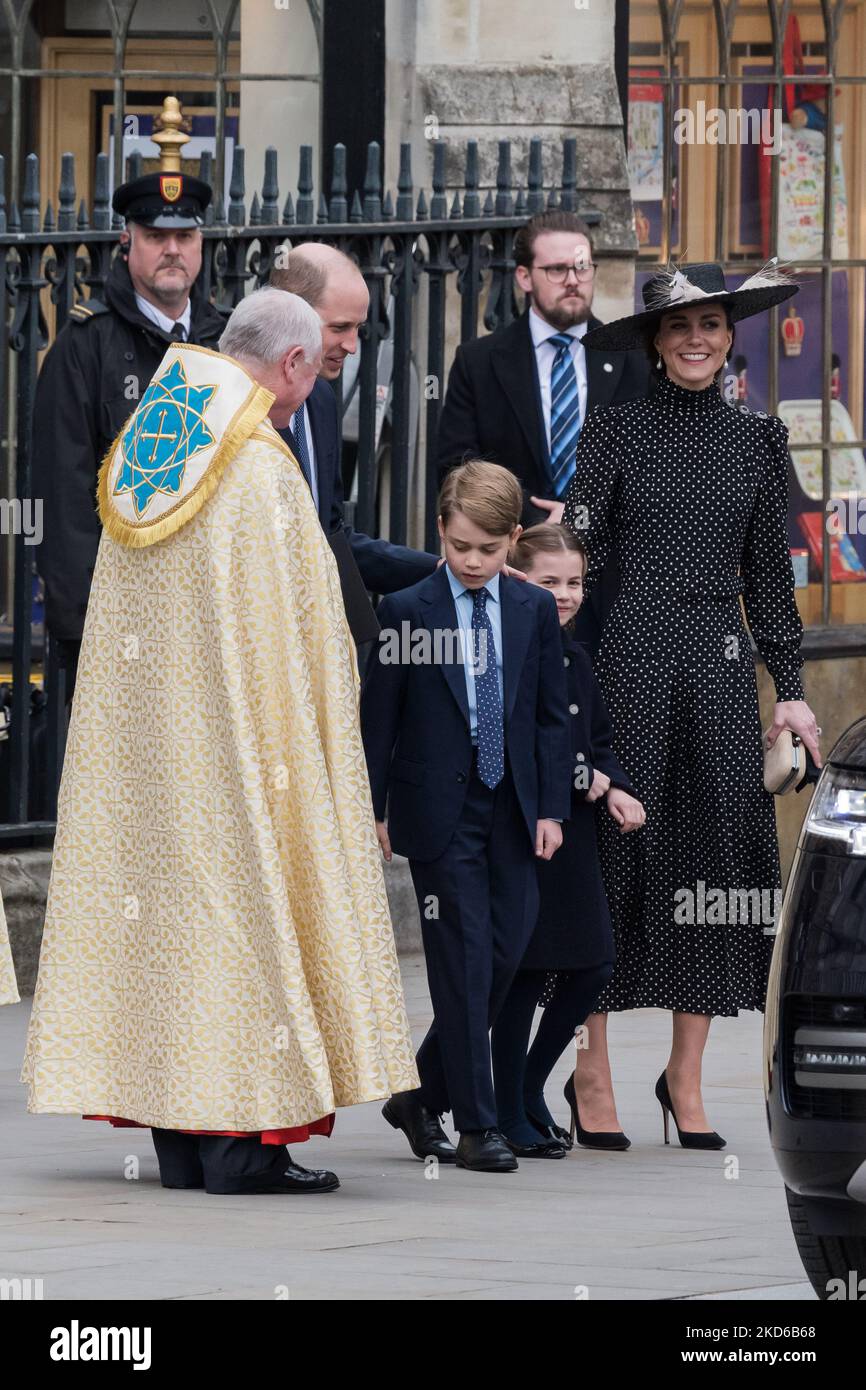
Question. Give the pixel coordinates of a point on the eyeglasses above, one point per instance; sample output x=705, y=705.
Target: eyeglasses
x=558, y=274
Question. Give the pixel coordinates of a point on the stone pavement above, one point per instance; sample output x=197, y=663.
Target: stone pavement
x=652, y=1223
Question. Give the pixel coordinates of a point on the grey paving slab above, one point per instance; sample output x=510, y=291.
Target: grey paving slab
x=654, y=1223
x=774, y=1293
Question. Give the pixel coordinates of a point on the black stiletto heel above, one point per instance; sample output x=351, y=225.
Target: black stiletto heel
x=689, y=1138
x=592, y=1138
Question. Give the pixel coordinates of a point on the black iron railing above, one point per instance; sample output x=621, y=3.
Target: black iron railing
x=429, y=261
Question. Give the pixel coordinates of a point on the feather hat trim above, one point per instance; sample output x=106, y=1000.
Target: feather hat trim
x=677, y=286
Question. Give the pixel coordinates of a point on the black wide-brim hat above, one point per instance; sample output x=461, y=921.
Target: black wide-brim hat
x=163, y=200
x=684, y=286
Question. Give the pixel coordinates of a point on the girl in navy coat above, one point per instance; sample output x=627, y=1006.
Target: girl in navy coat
x=571, y=954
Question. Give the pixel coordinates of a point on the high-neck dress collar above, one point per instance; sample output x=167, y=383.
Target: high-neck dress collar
x=668, y=396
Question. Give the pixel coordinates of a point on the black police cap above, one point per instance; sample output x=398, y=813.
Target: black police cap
x=163, y=200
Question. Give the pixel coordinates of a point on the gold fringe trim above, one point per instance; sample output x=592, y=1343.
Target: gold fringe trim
x=136, y=536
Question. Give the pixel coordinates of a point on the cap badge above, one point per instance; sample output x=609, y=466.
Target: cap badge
x=170, y=187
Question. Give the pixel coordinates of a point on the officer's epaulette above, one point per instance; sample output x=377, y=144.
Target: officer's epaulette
x=87, y=310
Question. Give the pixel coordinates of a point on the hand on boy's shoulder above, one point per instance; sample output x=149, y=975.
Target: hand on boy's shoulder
x=554, y=509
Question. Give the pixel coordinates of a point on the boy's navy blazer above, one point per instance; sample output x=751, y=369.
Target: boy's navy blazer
x=415, y=718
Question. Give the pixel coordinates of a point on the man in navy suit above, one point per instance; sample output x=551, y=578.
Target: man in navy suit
x=465, y=726
x=519, y=396
x=331, y=282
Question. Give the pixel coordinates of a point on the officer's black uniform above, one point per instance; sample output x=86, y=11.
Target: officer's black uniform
x=91, y=381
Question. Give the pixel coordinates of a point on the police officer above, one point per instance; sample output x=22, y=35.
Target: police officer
x=96, y=372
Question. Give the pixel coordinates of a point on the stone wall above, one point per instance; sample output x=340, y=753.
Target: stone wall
x=24, y=885
x=278, y=38
x=481, y=70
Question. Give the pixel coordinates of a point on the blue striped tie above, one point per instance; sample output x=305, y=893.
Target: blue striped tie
x=564, y=413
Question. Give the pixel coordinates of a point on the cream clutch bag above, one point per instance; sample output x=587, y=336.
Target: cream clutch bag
x=784, y=763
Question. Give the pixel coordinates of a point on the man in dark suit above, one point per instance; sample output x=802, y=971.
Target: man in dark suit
x=332, y=284
x=519, y=396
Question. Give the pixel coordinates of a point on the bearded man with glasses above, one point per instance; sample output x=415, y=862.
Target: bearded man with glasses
x=519, y=396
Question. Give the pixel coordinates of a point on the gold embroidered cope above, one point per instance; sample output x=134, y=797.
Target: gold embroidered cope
x=218, y=951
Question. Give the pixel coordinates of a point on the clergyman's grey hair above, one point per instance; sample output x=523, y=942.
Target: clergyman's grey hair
x=268, y=323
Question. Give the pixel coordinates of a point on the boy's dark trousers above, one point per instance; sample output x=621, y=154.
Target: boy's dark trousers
x=478, y=904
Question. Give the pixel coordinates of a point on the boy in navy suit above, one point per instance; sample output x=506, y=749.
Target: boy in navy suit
x=465, y=723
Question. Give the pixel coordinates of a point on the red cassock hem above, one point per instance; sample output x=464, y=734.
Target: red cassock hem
x=298, y=1135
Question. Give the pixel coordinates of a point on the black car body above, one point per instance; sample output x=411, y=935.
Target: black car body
x=815, y=1023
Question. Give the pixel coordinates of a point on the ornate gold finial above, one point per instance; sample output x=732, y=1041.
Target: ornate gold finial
x=170, y=125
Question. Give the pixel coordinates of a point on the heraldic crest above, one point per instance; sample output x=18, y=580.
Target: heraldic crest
x=166, y=431
x=167, y=460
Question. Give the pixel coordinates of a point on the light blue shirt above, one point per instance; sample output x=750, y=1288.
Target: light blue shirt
x=463, y=602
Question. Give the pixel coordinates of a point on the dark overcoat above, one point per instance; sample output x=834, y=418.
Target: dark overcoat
x=574, y=928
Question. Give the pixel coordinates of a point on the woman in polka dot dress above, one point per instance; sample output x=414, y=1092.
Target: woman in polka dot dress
x=692, y=492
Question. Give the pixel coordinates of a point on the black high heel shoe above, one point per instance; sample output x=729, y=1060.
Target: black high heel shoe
x=689, y=1138
x=592, y=1138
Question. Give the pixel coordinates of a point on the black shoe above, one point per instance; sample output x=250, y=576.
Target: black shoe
x=485, y=1151
x=610, y=1139
x=290, y=1177
x=427, y=1138
x=550, y=1148
x=689, y=1138
x=550, y=1133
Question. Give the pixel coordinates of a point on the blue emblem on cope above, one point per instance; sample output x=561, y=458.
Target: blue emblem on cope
x=165, y=432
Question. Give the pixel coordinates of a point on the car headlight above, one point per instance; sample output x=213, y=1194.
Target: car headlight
x=838, y=810
x=830, y=1057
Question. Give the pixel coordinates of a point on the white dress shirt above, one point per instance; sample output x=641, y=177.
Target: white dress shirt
x=162, y=320
x=545, y=354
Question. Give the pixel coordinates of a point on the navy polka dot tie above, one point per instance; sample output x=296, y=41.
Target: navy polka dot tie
x=488, y=705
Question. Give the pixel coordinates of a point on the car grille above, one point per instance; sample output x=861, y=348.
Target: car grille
x=831, y=1020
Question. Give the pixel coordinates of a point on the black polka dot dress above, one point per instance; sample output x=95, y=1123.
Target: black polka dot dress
x=692, y=492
